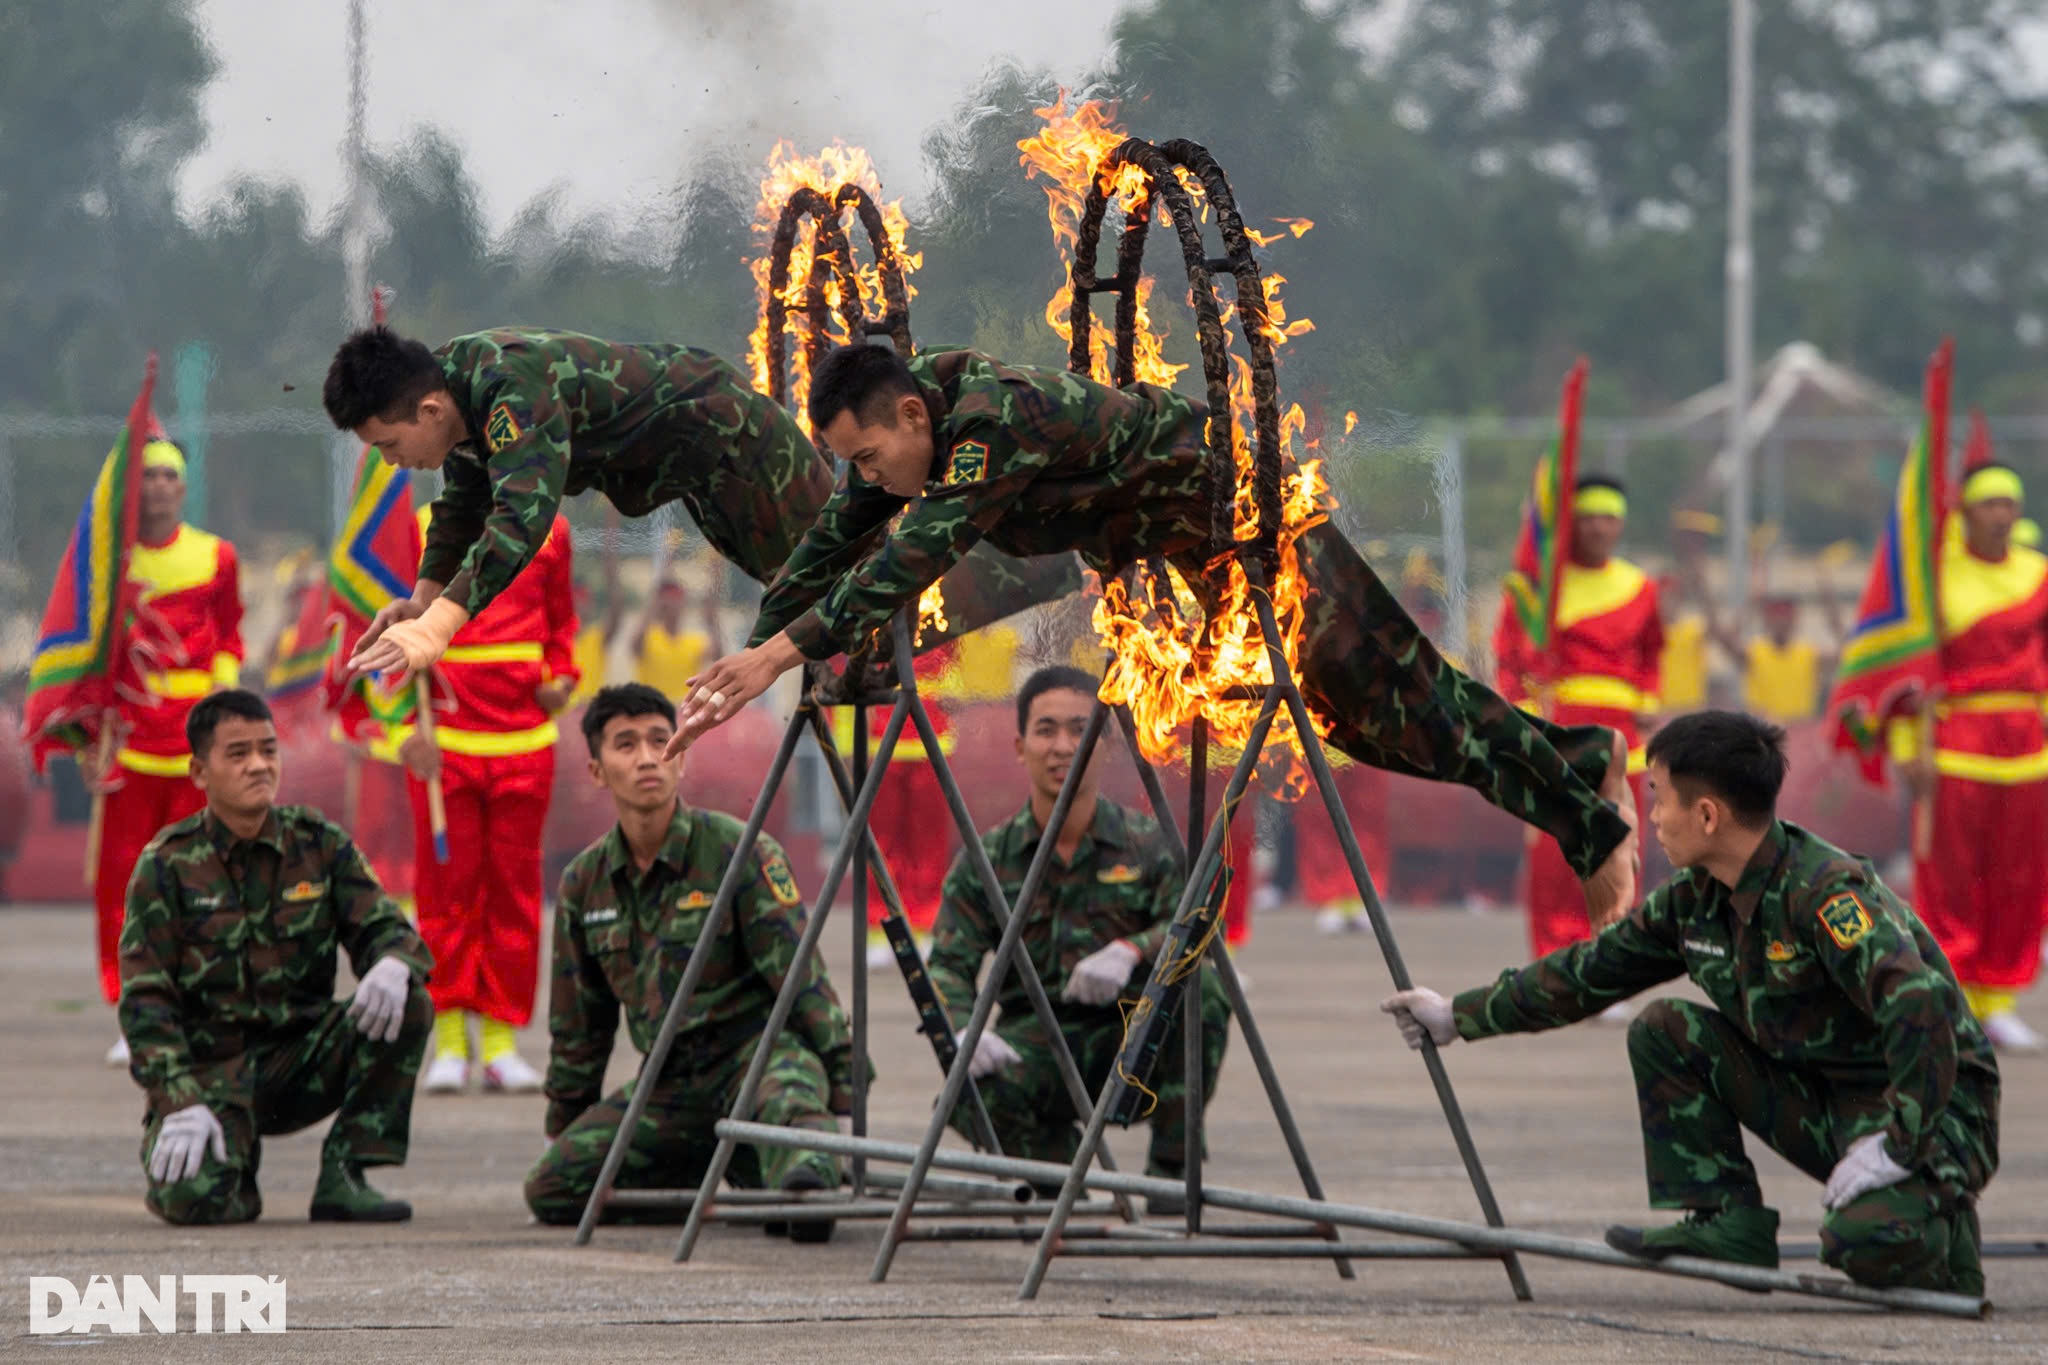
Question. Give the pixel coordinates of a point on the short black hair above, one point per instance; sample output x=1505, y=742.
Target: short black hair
x=1597, y=480
x=378, y=373
x=205, y=717
x=864, y=379
x=622, y=699
x=1055, y=678
x=1732, y=754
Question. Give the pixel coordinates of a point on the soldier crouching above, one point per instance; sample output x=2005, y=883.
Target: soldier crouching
x=629, y=914
x=234, y=919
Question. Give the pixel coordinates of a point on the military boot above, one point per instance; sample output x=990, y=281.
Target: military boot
x=800, y=1181
x=342, y=1196
x=1743, y=1233
x=1965, y=1255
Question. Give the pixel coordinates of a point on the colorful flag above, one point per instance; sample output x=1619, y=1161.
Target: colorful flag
x=374, y=563
x=87, y=646
x=299, y=663
x=1893, y=654
x=1545, y=541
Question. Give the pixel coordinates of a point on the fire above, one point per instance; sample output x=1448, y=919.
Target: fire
x=787, y=173
x=1161, y=663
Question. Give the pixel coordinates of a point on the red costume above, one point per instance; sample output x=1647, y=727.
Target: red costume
x=190, y=583
x=1981, y=880
x=480, y=912
x=1602, y=669
x=909, y=818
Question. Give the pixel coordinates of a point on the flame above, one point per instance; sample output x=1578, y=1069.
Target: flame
x=788, y=172
x=1350, y=422
x=1161, y=664
x=832, y=167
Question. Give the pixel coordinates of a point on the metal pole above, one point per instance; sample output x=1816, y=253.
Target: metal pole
x=858, y=1120
x=1191, y=999
x=1739, y=283
x=1397, y=968
x=1449, y=476
x=793, y=984
x=1501, y=1241
x=1098, y=1119
x=355, y=239
x=693, y=971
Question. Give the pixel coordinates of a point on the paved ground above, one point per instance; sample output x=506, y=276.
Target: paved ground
x=470, y=1279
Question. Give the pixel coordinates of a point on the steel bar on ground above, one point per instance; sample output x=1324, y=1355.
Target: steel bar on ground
x=785, y=999
x=1474, y=1235
x=875, y=1210
x=1008, y=956
x=1390, y=951
x=693, y=971
x=1191, y=995
x=1303, y=1250
x=858, y=1119
x=1098, y=1118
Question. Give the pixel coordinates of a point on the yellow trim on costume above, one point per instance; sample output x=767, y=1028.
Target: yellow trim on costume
x=1599, y=501
x=179, y=684
x=227, y=669
x=510, y=652
x=1639, y=759
x=1983, y=485
x=163, y=455
x=496, y=743
x=189, y=561
x=155, y=765
x=1986, y=1001
x=1595, y=689
x=2003, y=770
x=1972, y=588
x=1987, y=703
x=1584, y=592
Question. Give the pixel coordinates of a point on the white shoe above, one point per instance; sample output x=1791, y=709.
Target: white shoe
x=880, y=956
x=2009, y=1033
x=447, y=1074
x=510, y=1075
x=1338, y=919
x=117, y=1055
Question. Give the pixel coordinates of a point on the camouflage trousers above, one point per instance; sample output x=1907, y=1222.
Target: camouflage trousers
x=290, y=1081
x=1700, y=1082
x=674, y=1143
x=1398, y=704
x=1028, y=1104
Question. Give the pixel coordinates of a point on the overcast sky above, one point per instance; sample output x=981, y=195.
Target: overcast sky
x=611, y=101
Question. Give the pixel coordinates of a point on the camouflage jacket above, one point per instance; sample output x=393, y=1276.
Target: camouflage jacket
x=1811, y=957
x=553, y=413
x=1123, y=883
x=623, y=938
x=1037, y=461
x=230, y=940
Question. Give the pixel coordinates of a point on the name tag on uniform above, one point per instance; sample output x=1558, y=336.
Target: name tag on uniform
x=304, y=891
x=696, y=900
x=1704, y=948
x=1123, y=874
x=601, y=916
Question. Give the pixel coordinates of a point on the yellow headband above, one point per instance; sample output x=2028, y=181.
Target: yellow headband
x=163, y=455
x=1992, y=482
x=1599, y=501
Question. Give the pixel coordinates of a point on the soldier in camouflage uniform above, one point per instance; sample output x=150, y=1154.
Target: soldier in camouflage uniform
x=531, y=417
x=1040, y=461
x=227, y=990
x=1836, y=1033
x=1101, y=913
x=628, y=916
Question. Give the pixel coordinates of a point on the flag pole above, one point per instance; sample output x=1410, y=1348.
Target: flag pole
x=95, y=829
x=437, y=806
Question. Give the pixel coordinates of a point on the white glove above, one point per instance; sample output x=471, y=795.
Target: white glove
x=991, y=1054
x=1422, y=1013
x=182, y=1140
x=1098, y=979
x=378, y=1006
x=1866, y=1166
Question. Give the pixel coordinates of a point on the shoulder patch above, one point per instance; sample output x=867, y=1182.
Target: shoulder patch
x=1845, y=919
x=968, y=462
x=502, y=429
x=780, y=881
x=1122, y=874
x=304, y=891
x=696, y=900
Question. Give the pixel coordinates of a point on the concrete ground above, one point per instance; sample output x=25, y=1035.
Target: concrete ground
x=471, y=1279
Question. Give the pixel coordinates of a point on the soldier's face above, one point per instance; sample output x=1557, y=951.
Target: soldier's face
x=894, y=452
x=1685, y=823
x=239, y=771
x=629, y=763
x=421, y=441
x=1052, y=738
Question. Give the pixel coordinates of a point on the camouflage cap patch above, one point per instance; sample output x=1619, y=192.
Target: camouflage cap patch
x=968, y=462
x=304, y=891
x=780, y=881
x=502, y=429
x=1776, y=951
x=1845, y=919
x=1123, y=874
x=696, y=900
